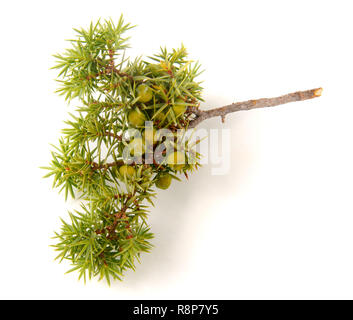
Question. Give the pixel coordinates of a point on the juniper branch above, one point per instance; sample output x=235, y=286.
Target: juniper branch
x=108, y=234
x=202, y=115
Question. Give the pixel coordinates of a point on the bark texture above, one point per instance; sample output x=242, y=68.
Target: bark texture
x=201, y=115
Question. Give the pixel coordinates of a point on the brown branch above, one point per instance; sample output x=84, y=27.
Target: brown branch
x=118, y=216
x=111, y=58
x=111, y=68
x=96, y=166
x=113, y=135
x=122, y=74
x=202, y=115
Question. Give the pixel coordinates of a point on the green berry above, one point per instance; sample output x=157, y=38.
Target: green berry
x=160, y=117
x=136, y=118
x=144, y=93
x=176, y=160
x=127, y=171
x=155, y=68
x=164, y=181
x=179, y=107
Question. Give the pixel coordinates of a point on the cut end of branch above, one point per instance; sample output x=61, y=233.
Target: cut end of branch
x=318, y=92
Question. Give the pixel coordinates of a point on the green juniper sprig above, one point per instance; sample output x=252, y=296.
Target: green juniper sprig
x=117, y=94
x=126, y=137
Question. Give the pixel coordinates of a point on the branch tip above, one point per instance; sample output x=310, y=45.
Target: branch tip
x=318, y=92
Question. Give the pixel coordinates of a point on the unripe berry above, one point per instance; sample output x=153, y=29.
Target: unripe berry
x=160, y=117
x=176, y=160
x=127, y=171
x=164, y=181
x=156, y=69
x=136, y=118
x=144, y=93
x=179, y=107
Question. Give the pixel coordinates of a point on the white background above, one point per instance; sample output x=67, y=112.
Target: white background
x=279, y=225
